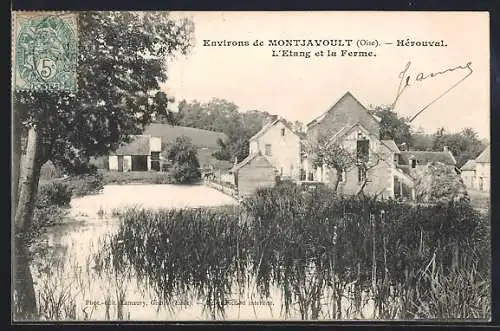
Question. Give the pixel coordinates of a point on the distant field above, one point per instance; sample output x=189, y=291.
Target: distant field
x=480, y=200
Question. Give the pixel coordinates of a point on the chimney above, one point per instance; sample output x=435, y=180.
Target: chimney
x=235, y=160
x=445, y=149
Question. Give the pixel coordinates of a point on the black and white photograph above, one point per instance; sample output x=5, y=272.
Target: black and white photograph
x=250, y=166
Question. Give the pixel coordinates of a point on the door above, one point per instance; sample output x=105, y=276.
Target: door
x=120, y=163
x=155, y=161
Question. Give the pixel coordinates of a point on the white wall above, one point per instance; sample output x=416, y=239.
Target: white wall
x=483, y=171
x=127, y=163
x=254, y=147
x=468, y=177
x=154, y=144
x=285, y=150
x=113, y=162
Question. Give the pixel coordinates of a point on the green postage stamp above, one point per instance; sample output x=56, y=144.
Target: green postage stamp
x=45, y=51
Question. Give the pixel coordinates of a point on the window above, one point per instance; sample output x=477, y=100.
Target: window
x=413, y=163
x=310, y=176
x=282, y=132
x=302, y=174
x=267, y=150
x=363, y=150
x=361, y=174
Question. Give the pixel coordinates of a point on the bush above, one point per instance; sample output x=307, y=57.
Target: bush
x=43, y=217
x=54, y=194
x=185, y=164
x=87, y=184
x=182, y=173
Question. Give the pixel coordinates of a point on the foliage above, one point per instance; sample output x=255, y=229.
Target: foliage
x=314, y=249
x=223, y=116
x=122, y=60
x=43, y=218
x=54, y=194
x=464, y=145
x=185, y=165
x=393, y=126
x=135, y=177
x=437, y=182
x=49, y=171
x=86, y=184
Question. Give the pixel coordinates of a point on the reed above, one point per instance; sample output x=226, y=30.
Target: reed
x=318, y=249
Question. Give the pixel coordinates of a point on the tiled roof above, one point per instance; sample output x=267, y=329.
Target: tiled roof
x=469, y=165
x=484, y=157
x=268, y=126
x=345, y=112
x=424, y=157
x=391, y=145
x=246, y=161
x=198, y=137
x=139, y=145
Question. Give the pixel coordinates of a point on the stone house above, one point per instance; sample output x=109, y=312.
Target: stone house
x=374, y=168
x=476, y=174
x=280, y=145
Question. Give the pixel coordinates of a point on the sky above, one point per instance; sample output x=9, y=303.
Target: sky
x=300, y=88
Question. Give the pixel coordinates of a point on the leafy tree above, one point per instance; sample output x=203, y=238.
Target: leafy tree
x=464, y=145
x=393, y=126
x=185, y=165
x=121, y=61
x=223, y=116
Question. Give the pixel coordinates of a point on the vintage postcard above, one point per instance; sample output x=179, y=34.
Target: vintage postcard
x=242, y=166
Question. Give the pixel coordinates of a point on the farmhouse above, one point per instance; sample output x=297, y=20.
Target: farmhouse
x=350, y=125
x=476, y=173
x=144, y=152
x=375, y=166
x=280, y=145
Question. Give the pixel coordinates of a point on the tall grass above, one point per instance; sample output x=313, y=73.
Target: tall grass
x=319, y=250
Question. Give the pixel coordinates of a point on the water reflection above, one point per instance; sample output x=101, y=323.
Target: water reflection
x=74, y=279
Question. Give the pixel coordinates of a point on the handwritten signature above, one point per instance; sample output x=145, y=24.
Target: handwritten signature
x=408, y=80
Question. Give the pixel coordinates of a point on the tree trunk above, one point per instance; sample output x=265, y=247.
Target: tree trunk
x=338, y=179
x=28, y=186
x=25, y=299
x=17, y=143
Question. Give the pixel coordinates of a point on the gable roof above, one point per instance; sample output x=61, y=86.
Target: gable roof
x=346, y=111
x=469, y=165
x=199, y=137
x=485, y=156
x=424, y=157
x=391, y=145
x=138, y=145
x=348, y=129
x=269, y=125
x=247, y=160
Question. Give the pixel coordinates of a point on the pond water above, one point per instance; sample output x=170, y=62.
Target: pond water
x=69, y=285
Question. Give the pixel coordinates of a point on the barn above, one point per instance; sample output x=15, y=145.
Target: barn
x=140, y=154
x=254, y=172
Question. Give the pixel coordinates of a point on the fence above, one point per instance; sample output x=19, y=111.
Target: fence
x=222, y=187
